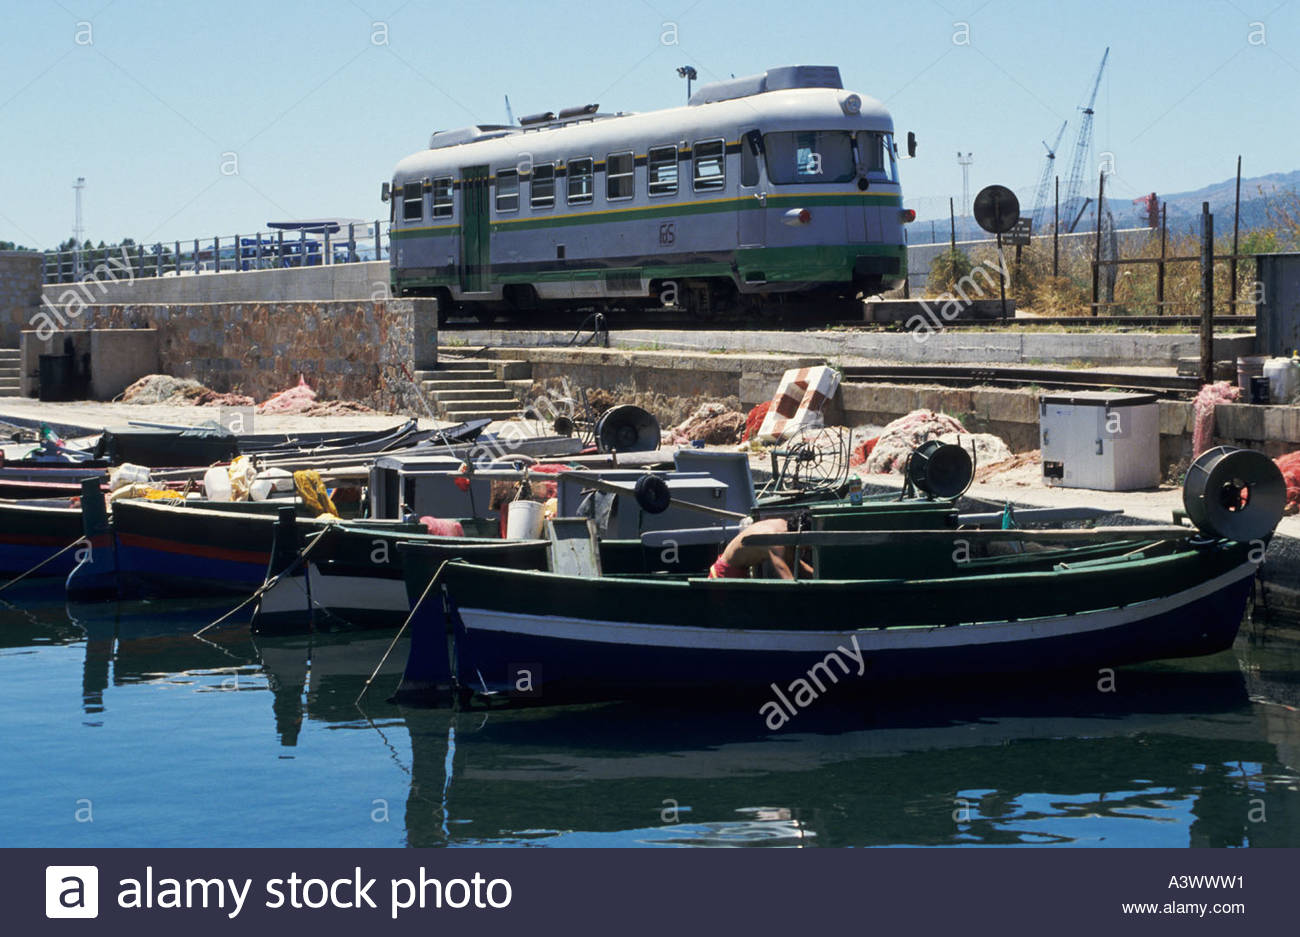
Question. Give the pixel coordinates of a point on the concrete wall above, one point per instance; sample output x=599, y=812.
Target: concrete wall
x=354, y=350
x=953, y=346
x=117, y=357
x=20, y=293
x=338, y=282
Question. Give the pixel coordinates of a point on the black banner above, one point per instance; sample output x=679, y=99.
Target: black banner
x=757, y=891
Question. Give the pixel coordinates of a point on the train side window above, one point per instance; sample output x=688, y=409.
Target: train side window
x=507, y=190
x=542, y=187
x=661, y=170
x=709, y=159
x=581, y=180
x=442, y=197
x=412, y=202
x=620, y=179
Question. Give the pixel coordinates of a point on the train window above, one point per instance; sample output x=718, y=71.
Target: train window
x=806, y=156
x=442, y=200
x=661, y=170
x=542, y=187
x=710, y=165
x=507, y=190
x=620, y=182
x=749, y=158
x=581, y=181
x=876, y=150
x=412, y=202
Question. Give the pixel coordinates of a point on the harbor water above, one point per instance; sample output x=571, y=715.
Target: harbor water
x=120, y=728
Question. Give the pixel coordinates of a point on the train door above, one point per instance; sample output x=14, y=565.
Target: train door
x=751, y=218
x=475, y=246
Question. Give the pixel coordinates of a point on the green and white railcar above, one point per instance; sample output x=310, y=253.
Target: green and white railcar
x=775, y=191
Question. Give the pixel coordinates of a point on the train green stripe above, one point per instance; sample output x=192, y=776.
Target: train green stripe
x=819, y=263
x=673, y=210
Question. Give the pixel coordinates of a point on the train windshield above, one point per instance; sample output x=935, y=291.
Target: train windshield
x=809, y=156
x=876, y=153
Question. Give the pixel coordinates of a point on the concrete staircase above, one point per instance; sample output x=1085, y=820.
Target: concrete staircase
x=10, y=372
x=469, y=389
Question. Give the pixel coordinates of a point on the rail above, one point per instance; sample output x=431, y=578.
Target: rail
x=263, y=250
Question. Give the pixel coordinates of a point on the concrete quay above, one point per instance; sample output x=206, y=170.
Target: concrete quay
x=953, y=347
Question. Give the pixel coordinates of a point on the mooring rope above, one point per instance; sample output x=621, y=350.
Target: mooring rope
x=400, y=631
x=48, y=559
x=261, y=590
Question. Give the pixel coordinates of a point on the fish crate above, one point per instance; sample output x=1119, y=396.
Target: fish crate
x=1100, y=440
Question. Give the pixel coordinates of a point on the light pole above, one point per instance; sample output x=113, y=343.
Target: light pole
x=688, y=72
x=78, y=229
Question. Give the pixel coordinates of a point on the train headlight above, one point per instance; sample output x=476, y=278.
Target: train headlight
x=797, y=217
x=851, y=105
x=908, y=215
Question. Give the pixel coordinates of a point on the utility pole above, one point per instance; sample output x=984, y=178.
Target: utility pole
x=78, y=229
x=964, y=160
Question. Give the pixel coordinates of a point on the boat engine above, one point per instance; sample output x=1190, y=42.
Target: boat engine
x=1236, y=494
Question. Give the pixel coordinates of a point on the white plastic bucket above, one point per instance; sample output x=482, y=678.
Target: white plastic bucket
x=1283, y=379
x=523, y=520
x=216, y=483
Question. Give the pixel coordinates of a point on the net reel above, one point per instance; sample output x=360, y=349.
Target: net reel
x=1235, y=494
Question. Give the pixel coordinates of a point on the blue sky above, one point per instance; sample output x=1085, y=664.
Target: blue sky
x=317, y=100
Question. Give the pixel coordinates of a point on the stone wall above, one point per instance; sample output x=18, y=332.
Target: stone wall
x=347, y=350
x=20, y=293
x=358, y=281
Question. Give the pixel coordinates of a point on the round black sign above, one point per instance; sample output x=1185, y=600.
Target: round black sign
x=997, y=209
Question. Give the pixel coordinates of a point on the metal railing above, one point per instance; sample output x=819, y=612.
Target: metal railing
x=353, y=243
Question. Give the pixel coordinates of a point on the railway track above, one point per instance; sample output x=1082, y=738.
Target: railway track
x=1169, y=386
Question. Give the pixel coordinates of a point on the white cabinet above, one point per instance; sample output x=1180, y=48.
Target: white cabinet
x=1100, y=440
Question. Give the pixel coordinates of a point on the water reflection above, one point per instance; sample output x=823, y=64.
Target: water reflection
x=1203, y=753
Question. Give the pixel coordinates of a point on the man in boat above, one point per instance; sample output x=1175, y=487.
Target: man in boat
x=738, y=558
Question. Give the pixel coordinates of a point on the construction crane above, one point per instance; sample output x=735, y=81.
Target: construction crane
x=1083, y=146
x=1045, y=180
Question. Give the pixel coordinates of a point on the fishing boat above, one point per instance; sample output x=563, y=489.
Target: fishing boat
x=923, y=604
x=34, y=532
x=184, y=547
x=671, y=522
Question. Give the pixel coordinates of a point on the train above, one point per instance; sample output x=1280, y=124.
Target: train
x=763, y=196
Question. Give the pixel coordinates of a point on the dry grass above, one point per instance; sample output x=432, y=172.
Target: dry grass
x=1038, y=292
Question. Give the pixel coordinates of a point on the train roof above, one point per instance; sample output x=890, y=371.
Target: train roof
x=790, y=98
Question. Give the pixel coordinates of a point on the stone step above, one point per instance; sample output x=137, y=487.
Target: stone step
x=462, y=364
x=435, y=386
x=479, y=413
x=449, y=396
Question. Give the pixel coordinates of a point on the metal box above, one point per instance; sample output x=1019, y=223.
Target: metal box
x=1100, y=440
